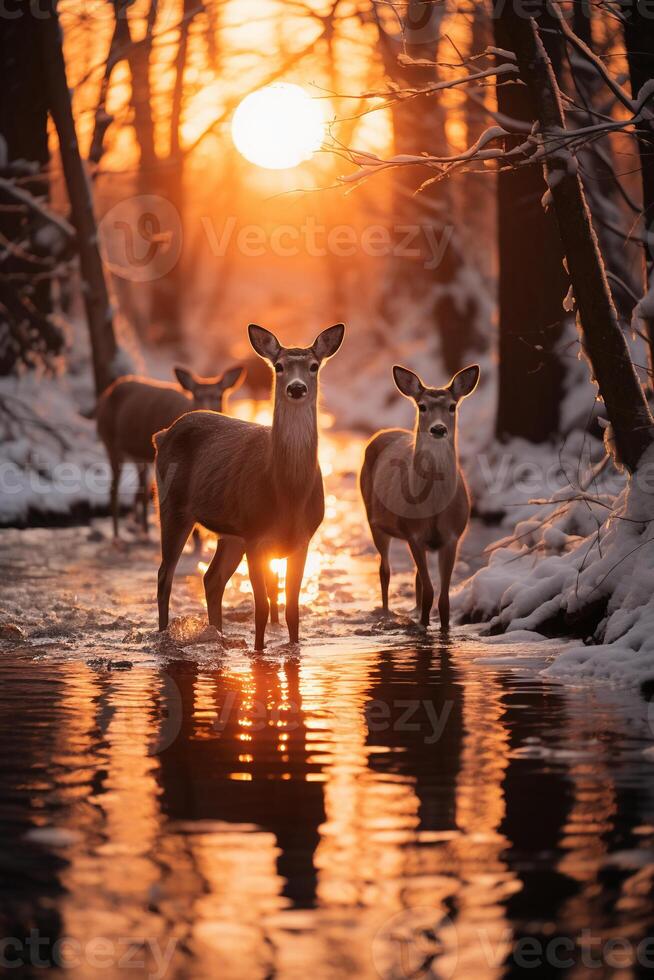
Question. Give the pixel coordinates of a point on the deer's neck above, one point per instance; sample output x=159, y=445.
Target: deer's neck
x=434, y=464
x=294, y=446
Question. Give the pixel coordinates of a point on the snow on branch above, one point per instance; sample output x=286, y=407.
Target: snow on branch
x=555, y=143
x=596, y=62
x=368, y=162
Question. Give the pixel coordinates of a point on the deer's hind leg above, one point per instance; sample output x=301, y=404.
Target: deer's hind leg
x=256, y=568
x=272, y=588
x=143, y=495
x=224, y=563
x=383, y=544
x=175, y=529
x=418, y=593
x=116, y=470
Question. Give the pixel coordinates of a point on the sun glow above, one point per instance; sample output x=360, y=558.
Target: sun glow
x=278, y=127
x=310, y=583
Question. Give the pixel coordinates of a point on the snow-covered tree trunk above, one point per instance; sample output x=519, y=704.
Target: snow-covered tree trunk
x=94, y=287
x=531, y=284
x=601, y=338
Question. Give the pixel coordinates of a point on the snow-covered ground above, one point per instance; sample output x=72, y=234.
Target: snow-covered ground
x=77, y=591
x=554, y=553
x=585, y=565
x=73, y=592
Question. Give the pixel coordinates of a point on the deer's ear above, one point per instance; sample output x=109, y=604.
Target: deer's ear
x=232, y=377
x=185, y=378
x=408, y=383
x=327, y=343
x=264, y=342
x=465, y=382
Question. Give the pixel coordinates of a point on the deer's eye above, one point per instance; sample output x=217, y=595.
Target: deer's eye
x=278, y=368
x=422, y=408
x=452, y=409
x=313, y=368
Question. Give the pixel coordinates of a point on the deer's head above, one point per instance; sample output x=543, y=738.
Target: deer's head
x=296, y=368
x=436, y=408
x=209, y=393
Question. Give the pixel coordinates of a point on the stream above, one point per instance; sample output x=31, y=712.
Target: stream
x=377, y=803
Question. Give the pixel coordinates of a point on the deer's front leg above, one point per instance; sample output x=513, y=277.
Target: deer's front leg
x=294, y=576
x=257, y=570
x=420, y=557
x=446, y=559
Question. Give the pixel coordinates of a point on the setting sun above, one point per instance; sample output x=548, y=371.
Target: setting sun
x=279, y=126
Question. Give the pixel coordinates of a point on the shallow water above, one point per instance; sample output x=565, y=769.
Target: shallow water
x=377, y=804
x=353, y=811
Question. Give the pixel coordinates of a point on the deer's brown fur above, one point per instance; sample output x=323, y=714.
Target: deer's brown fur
x=413, y=488
x=133, y=408
x=259, y=487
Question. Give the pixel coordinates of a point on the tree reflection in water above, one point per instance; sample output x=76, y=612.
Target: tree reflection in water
x=403, y=812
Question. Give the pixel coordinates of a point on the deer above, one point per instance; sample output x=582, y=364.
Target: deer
x=132, y=409
x=258, y=487
x=413, y=488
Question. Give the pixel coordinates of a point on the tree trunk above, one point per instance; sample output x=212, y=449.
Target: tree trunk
x=531, y=287
x=139, y=53
x=600, y=183
x=27, y=330
x=601, y=338
x=94, y=288
x=167, y=291
x=639, y=41
x=418, y=127
x=477, y=191
x=450, y=292
x=118, y=45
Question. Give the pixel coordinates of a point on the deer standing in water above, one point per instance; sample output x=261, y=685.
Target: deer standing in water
x=413, y=488
x=132, y=409
x=259, y=487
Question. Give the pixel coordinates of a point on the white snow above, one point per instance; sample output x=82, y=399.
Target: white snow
x=587, y=552
x=51, y=460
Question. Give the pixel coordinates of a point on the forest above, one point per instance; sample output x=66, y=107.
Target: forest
x=202, y=203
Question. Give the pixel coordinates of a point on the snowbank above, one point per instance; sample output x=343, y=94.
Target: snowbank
x=585, y=565
x=51, y=463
